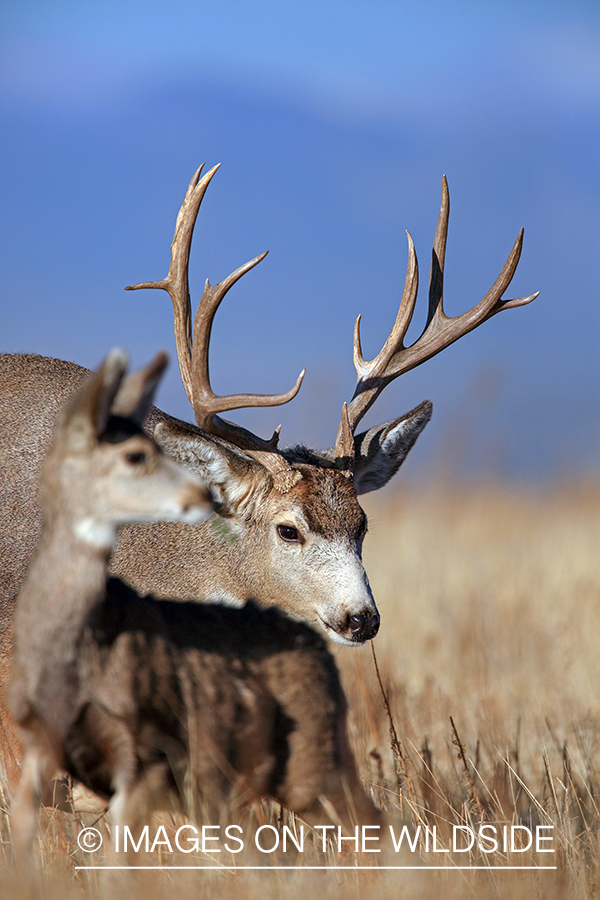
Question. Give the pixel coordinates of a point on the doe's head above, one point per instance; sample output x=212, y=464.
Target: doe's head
x=103, y=471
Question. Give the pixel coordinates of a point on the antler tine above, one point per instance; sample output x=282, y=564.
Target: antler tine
x=176, y=283
x=438, y=257
x=440, y=330
x=206, y=403
x=369, y=384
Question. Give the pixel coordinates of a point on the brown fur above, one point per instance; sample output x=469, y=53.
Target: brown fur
x=210, y=696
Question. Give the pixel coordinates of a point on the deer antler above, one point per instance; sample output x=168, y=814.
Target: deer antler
x=440, y=330
x=192, y=345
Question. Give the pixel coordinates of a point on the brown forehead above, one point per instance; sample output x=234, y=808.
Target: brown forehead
x=329, y=501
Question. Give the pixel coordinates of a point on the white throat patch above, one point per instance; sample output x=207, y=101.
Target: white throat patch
x=103, y=537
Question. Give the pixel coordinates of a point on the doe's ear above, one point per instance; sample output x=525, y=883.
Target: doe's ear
x=232, y=476
x=136, y=392
x=379, y=452
x=85, y=416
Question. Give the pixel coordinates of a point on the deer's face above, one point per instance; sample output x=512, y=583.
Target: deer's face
x=309, y=548
x=103, y=471
x=297, y=548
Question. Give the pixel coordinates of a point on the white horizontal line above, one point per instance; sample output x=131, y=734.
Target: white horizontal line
x=313, y=868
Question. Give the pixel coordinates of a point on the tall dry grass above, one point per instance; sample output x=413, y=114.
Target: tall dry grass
x=489, y=662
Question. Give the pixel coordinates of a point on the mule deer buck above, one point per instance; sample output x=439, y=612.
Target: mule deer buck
x=150, y=701
x=298, y=523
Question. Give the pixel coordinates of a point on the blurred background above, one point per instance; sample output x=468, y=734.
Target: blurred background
x=334, y=123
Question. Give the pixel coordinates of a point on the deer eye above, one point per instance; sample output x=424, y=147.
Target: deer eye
x=135, y=459
x=288, y=533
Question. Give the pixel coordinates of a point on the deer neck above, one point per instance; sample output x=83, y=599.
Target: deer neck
x=66, y=579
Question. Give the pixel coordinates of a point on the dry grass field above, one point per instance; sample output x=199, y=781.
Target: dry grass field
x=488, y=660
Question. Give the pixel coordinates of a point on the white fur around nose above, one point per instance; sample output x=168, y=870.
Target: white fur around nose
x=342, y=577
x=194, y=515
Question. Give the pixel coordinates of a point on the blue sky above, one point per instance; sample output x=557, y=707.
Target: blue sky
x=334, y=123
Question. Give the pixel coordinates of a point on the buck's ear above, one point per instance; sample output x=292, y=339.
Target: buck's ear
x=234, y=478
x=136, y=392
x=85, y=416
x=379, y=452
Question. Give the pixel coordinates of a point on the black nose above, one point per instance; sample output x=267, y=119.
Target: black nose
x=364, y=626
